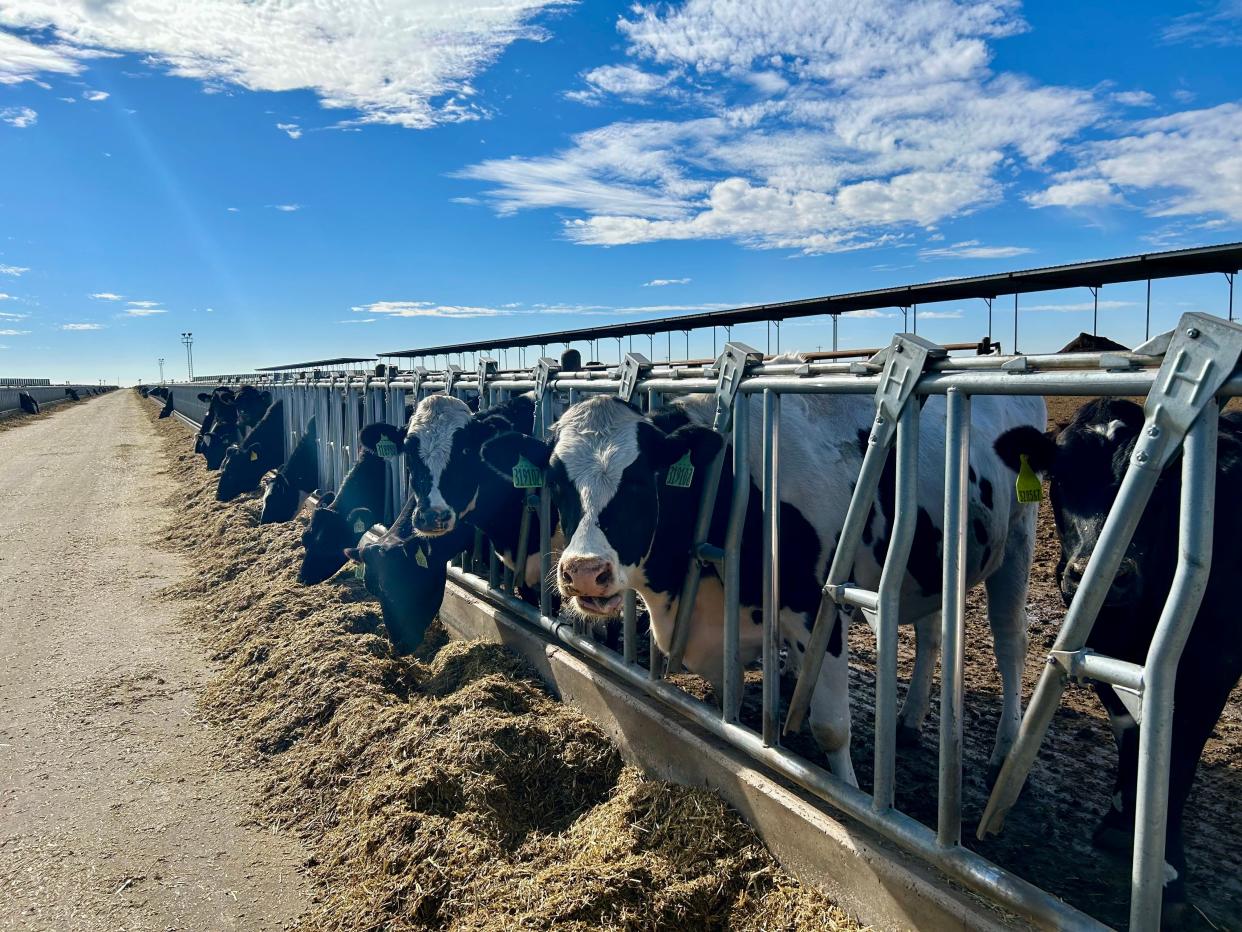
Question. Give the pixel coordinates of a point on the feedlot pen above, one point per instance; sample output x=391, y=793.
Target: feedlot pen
x=1042, y=866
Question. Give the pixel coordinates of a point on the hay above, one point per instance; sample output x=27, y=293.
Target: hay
x=447, y=789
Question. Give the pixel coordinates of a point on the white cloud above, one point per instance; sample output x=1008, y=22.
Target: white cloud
x=21, y=60
x=292, y=130
x=95, y=96
x=19, y=117
x=1077, y=306
x=233, y=210
x=410, y=64
x=13, y=333
x=941, y=315
x=13, y=270
x=5, y=297
x=873, y=118
x=661, y=282
x=870, y=314
x=143, y=303
x=107, y=296
x=426, y=309
x=286, y=208
x=7, y=316
x=973, y=249
x=360, y=320
x=81, y=326
x=144, y=311
x=1134, y=99
x=1218, y=23
x=1187, y=163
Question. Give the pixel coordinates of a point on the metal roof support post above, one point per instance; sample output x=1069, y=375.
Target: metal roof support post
x=1015, y=323
x=1147, y=324
x=1095, y=309
x=905, y=318
x=915, y=309
x=989, y=303
x=778, y=336
x=835, y=319
x=1229, y=277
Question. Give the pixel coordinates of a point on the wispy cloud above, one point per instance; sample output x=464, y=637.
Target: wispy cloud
x=1216, y=23
x=107, y=296
x=1076, y=306
x=13, y=333
x=19, y=117
x=359, y=320
x=144, y=303
x=233, y=210
x=13, y=270
x=144, y=311
x=518, y=309
x=973, y=249
x=1135, y=99
x=661, y=282
x=286, y=208
x=426, y=309
x=21, y=60
x=292, y=130
x=870, y=314
x=410, y=64
x=4, y=315
x=81, y=326
x=95, y=96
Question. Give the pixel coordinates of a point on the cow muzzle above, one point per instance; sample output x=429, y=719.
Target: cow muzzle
x=1125, y=589
x=592, y=584
x=433, y=522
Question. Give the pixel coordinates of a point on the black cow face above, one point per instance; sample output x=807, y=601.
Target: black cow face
x=408, y=578
x=1085, y=463
x=442, y=450
x=327, y=537
x=250, y=405
x=240, y=472
x=617, y=481
x=280, y=499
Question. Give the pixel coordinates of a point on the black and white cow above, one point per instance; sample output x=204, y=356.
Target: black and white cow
x=1085, y=463
x=28, y=403
x=219, y=427
x=628, y=528
x=286, y=490
x=262, y=449
x=450, y=483
x=341, y=518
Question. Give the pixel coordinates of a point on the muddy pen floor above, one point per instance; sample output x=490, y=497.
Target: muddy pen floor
x=447, y=790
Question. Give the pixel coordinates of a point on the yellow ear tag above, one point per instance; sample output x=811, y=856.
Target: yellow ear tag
x=1030, y=490
x=420, y=558
x=360, y=571
x=253, y=456
x=681, y=473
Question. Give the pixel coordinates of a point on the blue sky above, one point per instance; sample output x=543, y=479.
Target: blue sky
x=311, y=179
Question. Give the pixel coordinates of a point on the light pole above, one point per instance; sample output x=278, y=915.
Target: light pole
x=161, y=362
x=187, y=339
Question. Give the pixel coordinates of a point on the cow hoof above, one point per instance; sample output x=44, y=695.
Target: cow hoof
x=908, y=736
x=1109, y=839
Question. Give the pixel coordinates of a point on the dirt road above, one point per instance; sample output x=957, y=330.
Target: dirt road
x=116, y=810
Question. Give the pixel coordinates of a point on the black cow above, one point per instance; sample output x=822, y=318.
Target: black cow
x=219, y=427
x=168, y=406
x=251, y=404
x=287, y=489
x=1090, y=343
x=261, y=450
x=28, y=403
x=1085, y=463
x=340, y=519
x=73, y=395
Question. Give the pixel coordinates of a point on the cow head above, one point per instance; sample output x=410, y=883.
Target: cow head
x=442, y=445
x=250, y=405
x=1085, y=463
x=240, y=472
x=281, y=499
x=607, y=471
x=326, y=538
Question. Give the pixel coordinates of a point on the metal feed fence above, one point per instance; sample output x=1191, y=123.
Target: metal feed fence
x=42, y=393
x=1181, y=374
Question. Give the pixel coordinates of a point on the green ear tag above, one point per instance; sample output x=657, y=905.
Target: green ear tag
x=1030, y=489
x=526, y=475
x=360, y=526
x=360, y=571
x=681, y=473
x=420, y=558
x=386, y=448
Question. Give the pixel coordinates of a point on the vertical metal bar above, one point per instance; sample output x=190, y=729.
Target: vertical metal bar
x=989, y=301
x=1147, y=325
x=953, y=611
x=915, y=309
x=629, y=626
x=778, y=336
x=771, y=567
x=1230, y=277
x=835, y=318
x=1095, y=311
x=889, y=608
x=545, y=551
x=731, y=694
x=1194, y=563
x=1015, y=323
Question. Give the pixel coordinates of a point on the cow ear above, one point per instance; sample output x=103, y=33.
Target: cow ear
x=351, y=553
x=502, y=452
x=372, y=434
x=410, y=447
x=1040, y=449
x=473, y=403
x=326, y=500
x=204, y=397
x=701, y=443
x=360, y=519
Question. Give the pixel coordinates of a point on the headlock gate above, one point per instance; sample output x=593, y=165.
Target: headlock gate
x=1182, y=374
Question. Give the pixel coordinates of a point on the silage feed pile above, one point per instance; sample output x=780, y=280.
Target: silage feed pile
x=447, y=790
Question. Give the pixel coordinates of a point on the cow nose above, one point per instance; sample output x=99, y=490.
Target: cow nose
x=589, y=576
x=432, y=519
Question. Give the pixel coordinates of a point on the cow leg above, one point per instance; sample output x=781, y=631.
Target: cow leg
x=927, y=634
x=1115, y=833
x=829, y=711
x=1007, y=616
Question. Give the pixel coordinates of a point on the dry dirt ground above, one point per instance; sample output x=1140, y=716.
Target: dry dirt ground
x=115, y=809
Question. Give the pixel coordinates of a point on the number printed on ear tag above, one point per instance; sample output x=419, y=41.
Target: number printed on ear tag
x=526, y=475
x=681, y=473
x=1030, y=490
x=360, y=571
x=360, y=526
x=386, y=448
